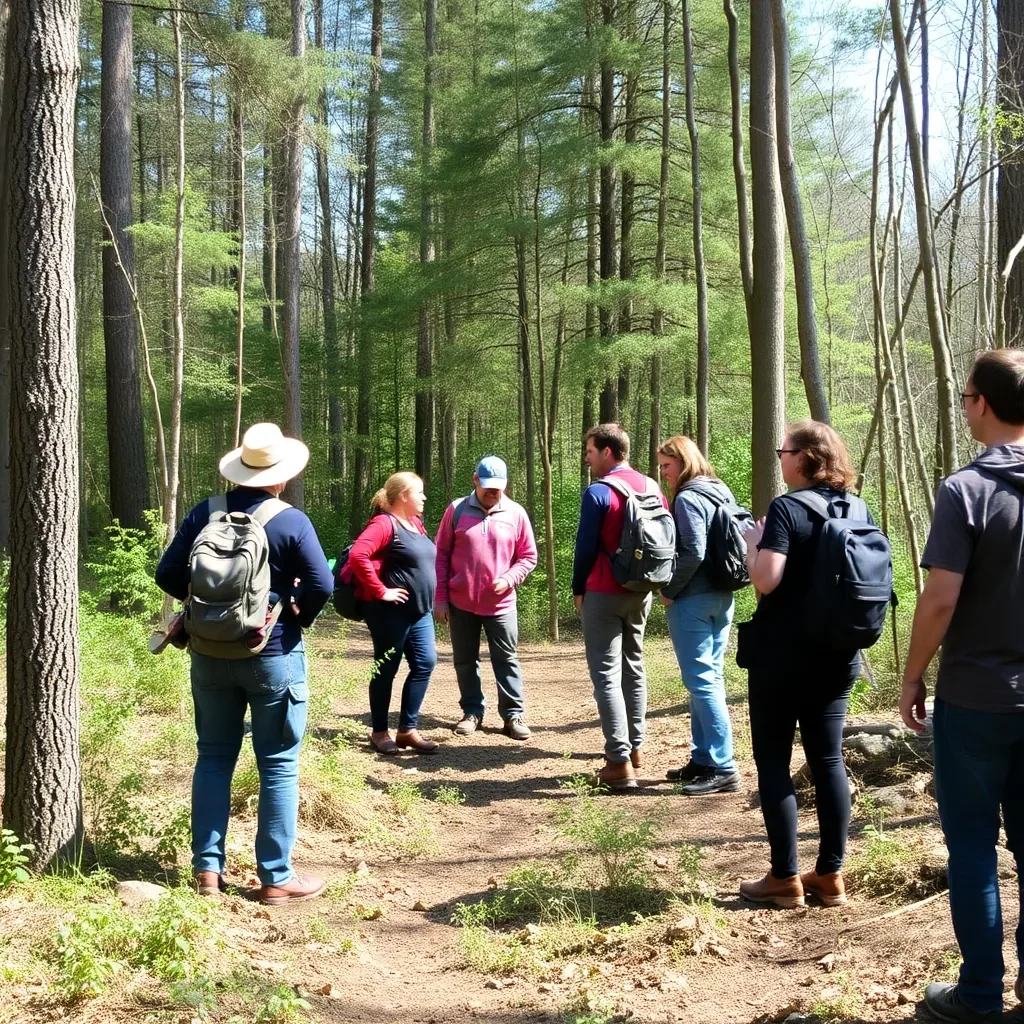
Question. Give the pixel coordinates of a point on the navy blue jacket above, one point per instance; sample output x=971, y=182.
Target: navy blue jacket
x=295, y=553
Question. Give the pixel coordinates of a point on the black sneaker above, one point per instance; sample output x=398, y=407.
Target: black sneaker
x=944, y=1002
x=468, y=725
x=712, y=780
x=687, y=773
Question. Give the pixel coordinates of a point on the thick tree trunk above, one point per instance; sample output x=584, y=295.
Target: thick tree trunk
x=364, y=349
x=944, y=385
x=125, y=440
x=807, y=328
x=43, y=785
x=292, y=245
x=1010, y=207
x=6, y=100
x=424, y=347
x=767, y=305
x=703, y=351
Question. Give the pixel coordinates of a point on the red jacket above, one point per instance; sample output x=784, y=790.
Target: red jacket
x=368, y=552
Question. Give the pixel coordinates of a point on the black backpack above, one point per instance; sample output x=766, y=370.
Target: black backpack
x=725, y=558
x=646, y=556
x=346, y=604
x=851, y=588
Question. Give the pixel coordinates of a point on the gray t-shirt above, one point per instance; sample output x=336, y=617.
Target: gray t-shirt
x=978, y=531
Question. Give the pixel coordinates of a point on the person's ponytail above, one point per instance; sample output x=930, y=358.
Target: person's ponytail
x=379, y=502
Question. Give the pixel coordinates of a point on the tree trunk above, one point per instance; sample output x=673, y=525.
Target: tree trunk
x=364, y=351
x=424, y=348
x=767, y=304
x=125, y=439
x=240, y=283
x=944, y=386
x=1010, y=207
x=610, y=395
x=807, y=328
x=170, y=519
x=43, y=786
x=332, y=347
x=6, y=100
x=984, y=162
x=294, y=148
x=703, y=352
x=738, y=165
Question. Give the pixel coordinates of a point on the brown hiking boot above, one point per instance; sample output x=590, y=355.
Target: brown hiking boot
x=782, y=892
x=636, y=759
x=414, y=741
x=617, y=776
x=830, y=889
x=208, y=883
x=295, y=890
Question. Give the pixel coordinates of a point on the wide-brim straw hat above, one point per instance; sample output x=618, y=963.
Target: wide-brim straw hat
x=266, y=458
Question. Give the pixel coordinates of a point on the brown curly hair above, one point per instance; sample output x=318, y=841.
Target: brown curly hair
x=824, y=460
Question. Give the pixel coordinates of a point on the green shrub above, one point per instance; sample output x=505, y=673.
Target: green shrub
x=126, y=563
x=13, y=858
x=281, y=1006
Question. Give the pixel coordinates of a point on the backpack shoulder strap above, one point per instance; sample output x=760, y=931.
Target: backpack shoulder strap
x=460, y=507
x=620, y=487
x=266, y=510
x=815, y=502
x=218, y=503
x=704, y=491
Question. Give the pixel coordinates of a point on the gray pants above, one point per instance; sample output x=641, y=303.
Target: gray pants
x=613, y=636
x=502, y=632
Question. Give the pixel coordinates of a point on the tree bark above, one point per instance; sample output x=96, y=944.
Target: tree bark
x=332, y=347
x=424, y=347
x=767, y=302
x=125, y=439
x=800, y=247
x=984, y=214
x=6, y=101
x=610, y=395
x=738, y=164
x=240, y=282
x=292, y=246
x=1010, y=207
x=703, y=350
x=42, y=798
x=364, y=350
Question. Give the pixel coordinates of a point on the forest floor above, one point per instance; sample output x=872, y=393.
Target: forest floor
x=425, y=834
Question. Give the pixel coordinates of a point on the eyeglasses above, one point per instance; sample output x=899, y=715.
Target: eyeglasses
x=787, y=451
x=964, y=395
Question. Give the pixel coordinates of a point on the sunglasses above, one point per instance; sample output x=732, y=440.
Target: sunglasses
x=787, y=451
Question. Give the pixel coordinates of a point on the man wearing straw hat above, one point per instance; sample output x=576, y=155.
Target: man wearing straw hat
x=264, y=670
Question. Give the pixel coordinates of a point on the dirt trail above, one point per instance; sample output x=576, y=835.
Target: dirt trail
x=407, y=964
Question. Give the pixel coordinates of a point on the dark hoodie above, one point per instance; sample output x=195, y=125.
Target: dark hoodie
x=692, y=513
x=978, y=532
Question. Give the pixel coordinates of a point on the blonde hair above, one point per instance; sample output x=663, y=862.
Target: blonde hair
x=394, y=487
x=824, y=460
x=694, y=463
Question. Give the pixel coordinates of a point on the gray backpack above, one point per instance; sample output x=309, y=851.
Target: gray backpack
x=226, y=615
x=646, y=556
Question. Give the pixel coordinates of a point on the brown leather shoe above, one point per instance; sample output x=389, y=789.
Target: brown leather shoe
x=295, y=890
x=383, y=743
x=617, y=775
x=782, y=892
x=830, y=889
x=636, y=759
x=208, y=883
x=414, y=741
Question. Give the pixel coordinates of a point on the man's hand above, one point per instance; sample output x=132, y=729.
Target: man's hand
x=912, y=709
x=667, y=602
x=577, y=600
x=441, y=612
x=500, y=586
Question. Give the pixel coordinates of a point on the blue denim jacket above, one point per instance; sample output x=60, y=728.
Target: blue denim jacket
x=692, y=513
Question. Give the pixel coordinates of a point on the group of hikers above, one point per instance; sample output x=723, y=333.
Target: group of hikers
x=253, y=575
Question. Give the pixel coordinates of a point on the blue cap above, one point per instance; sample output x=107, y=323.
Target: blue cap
x=492, y=472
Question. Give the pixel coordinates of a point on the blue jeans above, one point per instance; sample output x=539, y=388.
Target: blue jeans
x=502, y=632
x=979, y=768
x=275, y=690
x=394, y=633
x=699, y=627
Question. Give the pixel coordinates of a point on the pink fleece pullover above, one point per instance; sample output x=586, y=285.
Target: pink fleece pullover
x=485, y=546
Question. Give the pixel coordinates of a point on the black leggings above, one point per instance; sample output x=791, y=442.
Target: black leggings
x=816, y=698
